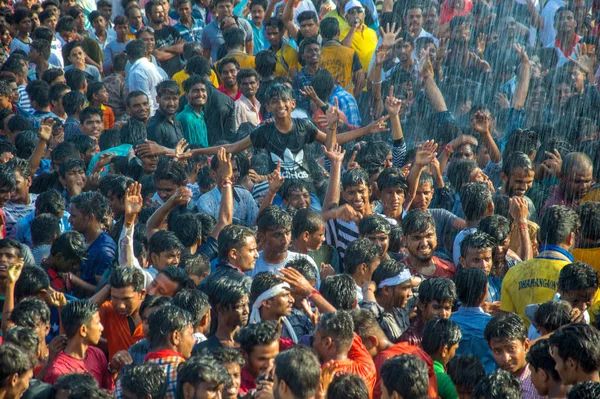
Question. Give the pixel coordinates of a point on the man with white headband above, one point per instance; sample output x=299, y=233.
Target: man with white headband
x=271, y=300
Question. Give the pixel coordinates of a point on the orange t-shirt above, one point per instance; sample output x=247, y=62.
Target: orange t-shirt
x=359, y=362
x=116, y=330
x=404, y=348
x=108, y=117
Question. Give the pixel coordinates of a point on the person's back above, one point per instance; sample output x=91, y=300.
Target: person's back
x=588, y=250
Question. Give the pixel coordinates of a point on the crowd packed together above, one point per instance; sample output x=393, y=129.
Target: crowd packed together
x=298, y=199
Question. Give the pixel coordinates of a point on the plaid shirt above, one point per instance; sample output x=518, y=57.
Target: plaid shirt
x=302, y=79
x=529, y=391
x=193, y=33
x=347, y=105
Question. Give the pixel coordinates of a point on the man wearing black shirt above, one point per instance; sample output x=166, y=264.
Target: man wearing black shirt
x=162, y=127
x=169, y=43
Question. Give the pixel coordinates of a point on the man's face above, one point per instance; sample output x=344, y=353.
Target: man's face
x=166, y=258
x=312, y=54
x=22, y=191
x=309, y=28
x=478, y=259
x=281, y=108
x=94, y=330
x=422, y=245
x=21, y=385
x=165, y=189
x=462, y=33
x=538, y=379
x=135, y=18
x=186, y=341
x=580, y=299
x=565, y=22
x=405, y=50
x=258, y=14
x=149, y=163
x=57, y=106
x=15, y=92
x=282, y=304
x=561, y=94
x=566, y=371
x=431, y=19
x=236, y=315
x=249, y=86
x=126, y=301
x=203, y=390
x=501, y=250
x=414, y=20
x=224, y=9
x=423, y=197
x=577, y=183
x=510, y=354
x=157, y=15
x=316, y=239
x=464, y=152
x=247, y=255
x=197, y=96
x=402, y=293
x=298, y=199
x=274, y=36
x=8, y=257
x=232, y=388
x=519, y=182
x=25, y=25
x=435, y=309
x=577, y=77
x=99, y=24
x=277, y=241
x=229, y=74
x=168, y=103
x=381, y=239
x=162, y=286
x=262, y=358
x=355, y=16
x=77, y=219
x=92, y=126
x=77, y=56
x=357, y=196
x=185, y=11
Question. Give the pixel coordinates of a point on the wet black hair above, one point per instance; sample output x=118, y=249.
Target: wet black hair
x=552, y=315
x=579, y=342
x=253, y=335
x=144, y=379
x=77, y=313
x=476, y=240
x=361, y=251
x=557, y=223
x=417, y=221
x=440, y=332
x=438, y=289
x=498, y=385
x=165, y=321
x=471, y=286
x=506, y=326
x=539, y=357
x=406, y=375
x=339, y=290
x=577, y=276
x=465, y=371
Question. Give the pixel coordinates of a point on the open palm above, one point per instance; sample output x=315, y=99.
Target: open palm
x=133, y=199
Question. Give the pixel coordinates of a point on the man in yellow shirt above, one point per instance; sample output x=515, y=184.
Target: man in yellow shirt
x=287, y=56
x=235, y=45
x=588, y=245
x=358, y=36
x=536, y=280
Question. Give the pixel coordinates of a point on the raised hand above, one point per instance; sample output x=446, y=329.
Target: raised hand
x=347, y=214
x=462, y=140
x=182, y=196
x=309, y=93
x=425, y=67
x=299, y=284
x=133, y=199
x=585, y=62
x=326, y=271
x=337, y=153
x=388, y=36
x=393, y=105
x=275, y=179
x=314, y=316
x=104, y=160
x=45, y=132
x=14, y=271
x=225, y=169
x=379, y=125
x=522, y=52
x=332, y=115
x=181, y=147
x=150, y=148
x=502, y=100
x=56, y=298
x=425, y=153
x=352, y=164
x=553, y=164
x=518, y=210
x=481, y=123
x=481, y=43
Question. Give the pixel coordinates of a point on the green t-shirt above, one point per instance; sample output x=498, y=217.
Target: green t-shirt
x=446, y=388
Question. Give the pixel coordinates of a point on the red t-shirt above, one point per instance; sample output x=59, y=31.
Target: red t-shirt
x=404, y=348
x=359, y=362
x=223, y=90
x=443, y=268
x=94, y=363
x=447, y=13
x=116, y=330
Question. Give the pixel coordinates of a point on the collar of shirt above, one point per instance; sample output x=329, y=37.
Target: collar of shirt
x=567, y=51
x=470, y=310
x=193, y=111
x=246, y=101
x=558, y=251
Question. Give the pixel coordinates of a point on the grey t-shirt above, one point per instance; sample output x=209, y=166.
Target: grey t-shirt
x=443, y=224
x=90, y=70
x=212, y=37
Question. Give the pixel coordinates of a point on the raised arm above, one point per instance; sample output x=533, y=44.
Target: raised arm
x=303, y=288
x=431, y=88
x=133, y=206
x=232, y=148
x=482, y=124
x=424, y=156
x=336, y=157
x=224, y=175
x=44, y=135
x=523, y=78
x=13, y=273
x=518, y=210
x=288, y=18
x=275, y=183
x=182, y=197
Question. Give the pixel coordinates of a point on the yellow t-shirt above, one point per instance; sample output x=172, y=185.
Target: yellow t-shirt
x=591, y=256
x=245, y=60
x=182, y=75
x=341, y=20
x=592, y=196
x=287, y=58
x=364, y=43
x=529, y=282
x=338, y=61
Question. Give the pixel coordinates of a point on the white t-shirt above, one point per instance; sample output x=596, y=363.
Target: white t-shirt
x=262, y=266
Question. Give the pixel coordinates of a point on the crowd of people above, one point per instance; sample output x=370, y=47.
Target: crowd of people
x=297, y=199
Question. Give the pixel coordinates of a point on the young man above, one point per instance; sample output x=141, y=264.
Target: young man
x=143, y=75
x=192, y=117
x=310, y=53
x=272, y=300
x=566, y=36
x=146, y=380
x=39, y=54
x=81, y=322
x=76, y=54
x=247, y=107
x=287, y=57
x=98, y=98
x=257, y=17
x=88, y=212
x=259, y=344
x=212, y=36
x=544, y=376
x=92, y=122
x=476, y=251
x=466, y=372
x=17, y=371
x=363, y=258
x=189, y=27
x=55, y=96
x=67, y=252
x=195, y=302
x=437, y=296
x=440, y=340
x=419, y=235
x=589, y=237
x=227, y=70
x=376, y=229
x=404, y=376
x=477, y=203
x=234, y=43
x=507, y=337
x=293, y=366
x=557, y=230
x=38, y=95
x=308, y=238
x=164, y=249
x=21, y=202
x=471, y=287
x=497, y=385
x=517, y=178
x=200, y=377
x=73, y=103
x=233, y=362
x=163, y=128
x=169, y=45
x=574, y=348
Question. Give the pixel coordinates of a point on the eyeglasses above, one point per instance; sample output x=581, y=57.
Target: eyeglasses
x=355, y=11
x=146, y=29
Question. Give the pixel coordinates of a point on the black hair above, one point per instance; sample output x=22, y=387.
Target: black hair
x=132, y=132
x=471, y=286
x=196, y=264
x=135, y=49
x=163, y=241
x=388, y=269
x=329, y=28
x=224, y=292
x=71, y=245
x=109, y=138
x=44, y=228
x=13, y=360
x=164, y=321
x=56, y=91
x=355, y=177
x=77, y=313
x=168, y=86
x=41, y=46
x=266, y=61
x=498, y=385
x=577, y=276
x=144, y=379
x=557, y=223
x=122, y=277
x=347, y=386
x=405, y=375
x=290, y=185
x=30, y=312
x=88, y=112
x=225, y=355
x=273, y=218
x=323, y=83
x=193, y=80
x=194, y=301
x=74, y=381
x=306, y=220
x=516, y=160
x=83, y=143
x=246, y=73
x=19, y=123
x=91, y=203
x=71, y=164
x=50, y=75
x=585, y=390
x=263, y=333
x=417, y=221
x=171, y=171
x=178, y=276
x=373, y=224
x=506, y=326
x=465, y=371
x=304, y=266
x=579, y=342
x=25, y=141
x=476, y=199
x=73, y=101
x=154, y=301
x=38, y=92
x=134, y=94
x=552, y=315
x=32, y=281
x=476, y=240
x=94, y=88
x=539, y=357
x=391, y=178
x=300, y=369
x=198, y=65
x=339, y=290
x=589, y=214
x=440, y=332
x=496, y=227
x=358, y=252
x=438, y=289
x=200, y=369
x=119, y=61
x=261, y=283
x=187, y=228
x=25, y=338
x=339, y=326
x=232, y=237
x=6, y=146
x=459, y=172
x=20, y=14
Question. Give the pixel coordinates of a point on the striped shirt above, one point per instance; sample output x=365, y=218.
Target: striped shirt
x=15, y=212
x=340, y=234
x=24, y=102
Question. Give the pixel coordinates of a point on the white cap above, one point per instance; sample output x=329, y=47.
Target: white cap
x=352, y=4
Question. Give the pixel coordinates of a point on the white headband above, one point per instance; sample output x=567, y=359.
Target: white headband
x=396, y=280
x=270, y=293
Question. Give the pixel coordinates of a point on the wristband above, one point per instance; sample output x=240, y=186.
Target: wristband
x=313, y=293
x=524, y=227
x=448, y=148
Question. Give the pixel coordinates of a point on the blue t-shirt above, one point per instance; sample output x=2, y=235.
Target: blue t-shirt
x=101, y=254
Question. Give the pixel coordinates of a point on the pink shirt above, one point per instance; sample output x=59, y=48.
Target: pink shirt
x=447, y=13
x=94, y=363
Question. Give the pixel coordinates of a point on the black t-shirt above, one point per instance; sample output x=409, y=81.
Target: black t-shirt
x=167, y=37
x=289, y=148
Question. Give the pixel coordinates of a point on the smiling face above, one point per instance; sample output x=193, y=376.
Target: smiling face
x=357, y=196
x=197, y=96
x=233, y=387
x=312, y=54
x=422, y=245
x=8, y=257
x=228, y=75
x=423, y=197
x=281, y=108
x=92, y=126
x=168, y=103
x=519, y=182
x=139, y=108
x=258, y=14
x=261, y=358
